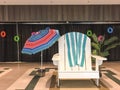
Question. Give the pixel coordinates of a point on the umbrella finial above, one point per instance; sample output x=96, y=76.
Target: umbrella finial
x=47, y=28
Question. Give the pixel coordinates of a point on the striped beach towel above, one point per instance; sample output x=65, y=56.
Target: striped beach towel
x=76, y=43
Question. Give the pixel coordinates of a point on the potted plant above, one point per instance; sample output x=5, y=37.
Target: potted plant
x=101, y=46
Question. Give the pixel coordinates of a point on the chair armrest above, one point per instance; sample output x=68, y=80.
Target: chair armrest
x=56, y=58
x=99, y=57
x=99, y=60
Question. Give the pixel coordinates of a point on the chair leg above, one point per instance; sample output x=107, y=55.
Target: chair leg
x=58, y=84
x=97, y=82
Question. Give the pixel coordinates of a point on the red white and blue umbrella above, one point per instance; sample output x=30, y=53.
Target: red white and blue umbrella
x=40, y=41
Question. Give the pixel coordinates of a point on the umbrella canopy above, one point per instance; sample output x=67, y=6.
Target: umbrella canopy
x=40, y=41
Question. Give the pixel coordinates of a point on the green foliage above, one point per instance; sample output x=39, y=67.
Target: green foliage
x=109, y=41
x=102, y=47
x=95, y=46
x=104, y=54
x=94, y=37
x=112, y=46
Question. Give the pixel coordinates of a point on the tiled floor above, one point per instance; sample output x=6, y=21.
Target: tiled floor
x=16, y=71
x=16, y=76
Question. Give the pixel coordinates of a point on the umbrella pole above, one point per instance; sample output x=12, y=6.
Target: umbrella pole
x=42, y=71
x=41, y=60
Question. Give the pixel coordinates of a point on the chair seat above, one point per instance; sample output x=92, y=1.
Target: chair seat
x=79, y=75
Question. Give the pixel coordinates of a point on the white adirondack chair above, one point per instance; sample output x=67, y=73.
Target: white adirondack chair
x=74, y=58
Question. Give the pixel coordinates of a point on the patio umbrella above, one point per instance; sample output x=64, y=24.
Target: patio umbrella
x=40, y=41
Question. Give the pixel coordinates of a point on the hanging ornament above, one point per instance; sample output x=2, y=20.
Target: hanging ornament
x=101, y=38
x=110, y=30
x=89, y=33
x=16, y=38
x=3, y=34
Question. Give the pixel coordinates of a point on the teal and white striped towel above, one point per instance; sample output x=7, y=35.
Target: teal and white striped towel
x=76, y=43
